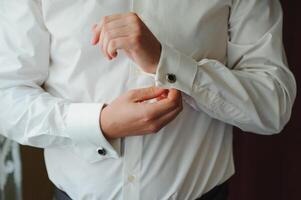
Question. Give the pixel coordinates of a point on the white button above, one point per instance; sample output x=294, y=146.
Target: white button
x=131, y=178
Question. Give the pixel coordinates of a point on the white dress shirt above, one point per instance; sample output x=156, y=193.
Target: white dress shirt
x=226, y=56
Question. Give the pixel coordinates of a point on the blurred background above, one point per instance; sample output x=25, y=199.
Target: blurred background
x=267, y=167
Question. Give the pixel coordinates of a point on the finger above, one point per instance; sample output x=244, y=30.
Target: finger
x=98, y=27
x=163, y=96
x=166, y=118
x=105, y=39
x=125, y=43
x=101, y=43
x=123, y=19
x=110, y=18
x=96, y=34
x=118, y=23
x=109, y=35
x=174, y=94
x=128, y=16
x=143, y=94
x=159, y=108
x=118, y=43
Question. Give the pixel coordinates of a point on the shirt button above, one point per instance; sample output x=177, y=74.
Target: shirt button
x=131, y=178
x=101, y=151
x=171, y=78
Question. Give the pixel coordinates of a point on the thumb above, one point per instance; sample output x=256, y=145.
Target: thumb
x=143, y=94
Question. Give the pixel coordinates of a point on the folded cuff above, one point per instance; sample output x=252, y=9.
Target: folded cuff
x=84, y=130
x=175, y=70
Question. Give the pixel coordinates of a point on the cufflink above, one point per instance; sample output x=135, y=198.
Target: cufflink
x=171, y=78
x=101, y=151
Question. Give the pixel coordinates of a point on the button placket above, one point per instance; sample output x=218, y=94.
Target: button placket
x=131, y=167
x=132, y=148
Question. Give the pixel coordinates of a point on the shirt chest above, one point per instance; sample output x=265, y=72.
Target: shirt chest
x=197, y=28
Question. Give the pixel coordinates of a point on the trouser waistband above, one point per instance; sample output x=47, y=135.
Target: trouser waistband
x=219, y=192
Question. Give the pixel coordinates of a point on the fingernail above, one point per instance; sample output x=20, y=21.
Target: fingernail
x=93, y=41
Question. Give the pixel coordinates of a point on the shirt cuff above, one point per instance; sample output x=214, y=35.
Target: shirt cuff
x=84, y=130
x=175, y=70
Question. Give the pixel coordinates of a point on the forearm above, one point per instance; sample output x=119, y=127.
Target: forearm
x=255, y=97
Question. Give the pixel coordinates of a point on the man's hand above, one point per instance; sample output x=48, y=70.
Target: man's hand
x=128, y=32
x=131, y=114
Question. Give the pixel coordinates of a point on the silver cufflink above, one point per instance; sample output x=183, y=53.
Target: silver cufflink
x=101, y=151
x=171, y=78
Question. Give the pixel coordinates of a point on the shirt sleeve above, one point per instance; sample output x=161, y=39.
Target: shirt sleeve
x=28, y=114
x=255, y=90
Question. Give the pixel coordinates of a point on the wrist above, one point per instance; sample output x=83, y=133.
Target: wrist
x=155, y=65
x=103, y=123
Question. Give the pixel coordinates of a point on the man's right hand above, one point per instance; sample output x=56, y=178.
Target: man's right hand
x=131, y=114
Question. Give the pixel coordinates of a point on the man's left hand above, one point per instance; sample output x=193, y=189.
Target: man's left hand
x=128, y=32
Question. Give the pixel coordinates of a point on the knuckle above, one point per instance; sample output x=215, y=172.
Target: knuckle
x=105, y=19
x=154, y=128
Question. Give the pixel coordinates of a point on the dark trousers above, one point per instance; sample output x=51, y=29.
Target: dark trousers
x=220, y=192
